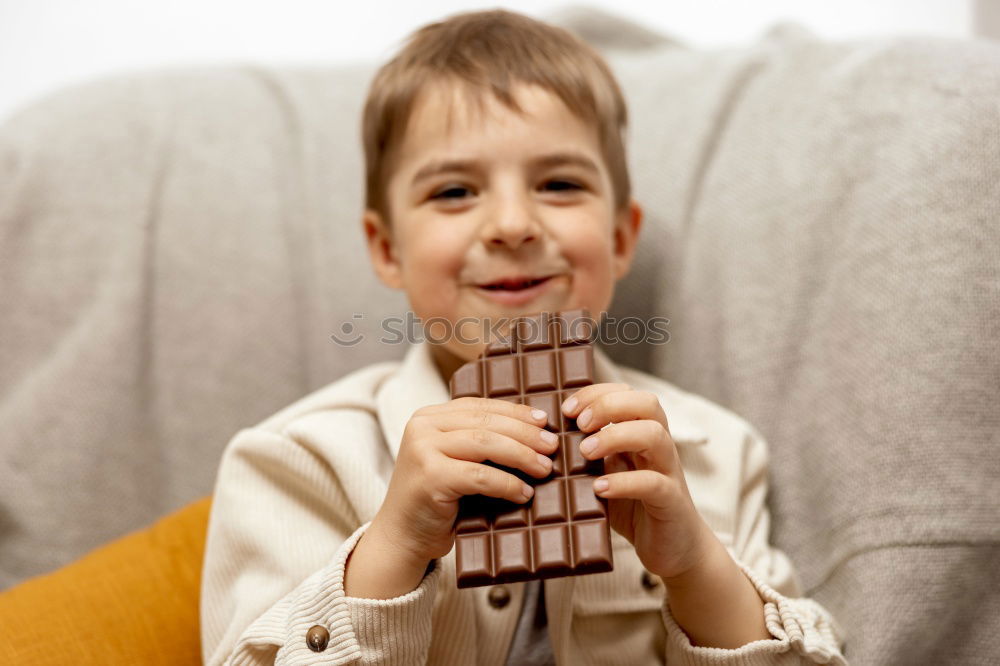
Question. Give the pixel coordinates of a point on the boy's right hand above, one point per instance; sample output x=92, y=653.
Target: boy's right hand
x=441, y=459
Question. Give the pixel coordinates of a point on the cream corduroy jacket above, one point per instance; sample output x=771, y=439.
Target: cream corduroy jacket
x=296, y=492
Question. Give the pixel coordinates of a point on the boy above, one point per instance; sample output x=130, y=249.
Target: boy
x=496, y=187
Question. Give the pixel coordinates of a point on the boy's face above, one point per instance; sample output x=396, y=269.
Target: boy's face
x=495, y=197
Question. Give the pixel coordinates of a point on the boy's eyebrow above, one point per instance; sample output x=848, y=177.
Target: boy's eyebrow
x=564, y=159
x=544, y=161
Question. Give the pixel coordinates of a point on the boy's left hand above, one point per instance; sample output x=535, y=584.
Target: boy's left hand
x=648, y=499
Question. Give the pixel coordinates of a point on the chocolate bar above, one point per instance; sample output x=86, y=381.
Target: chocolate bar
x=563, y=530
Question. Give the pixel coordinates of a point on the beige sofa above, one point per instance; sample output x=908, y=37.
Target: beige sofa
x=177, y=248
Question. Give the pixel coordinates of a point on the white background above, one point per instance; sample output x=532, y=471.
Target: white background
x=46, y=44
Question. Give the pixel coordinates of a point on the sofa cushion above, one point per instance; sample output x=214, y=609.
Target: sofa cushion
x=132, y=601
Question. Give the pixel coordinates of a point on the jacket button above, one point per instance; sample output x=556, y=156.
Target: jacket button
x=649, y=581
x=499, y=596
x=317, y=638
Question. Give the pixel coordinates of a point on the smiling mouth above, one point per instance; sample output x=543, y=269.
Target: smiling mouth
x=514, y=285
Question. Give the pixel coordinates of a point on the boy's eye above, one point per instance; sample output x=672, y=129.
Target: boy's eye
x=562, y=185
x=453, y=192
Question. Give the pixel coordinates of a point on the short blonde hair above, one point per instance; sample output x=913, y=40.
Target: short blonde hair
x=492, y=50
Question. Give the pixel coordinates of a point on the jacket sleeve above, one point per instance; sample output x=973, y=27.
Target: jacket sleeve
x=280, y=532
x=802, y=631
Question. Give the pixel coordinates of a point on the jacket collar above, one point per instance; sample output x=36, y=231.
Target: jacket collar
x=417, y=384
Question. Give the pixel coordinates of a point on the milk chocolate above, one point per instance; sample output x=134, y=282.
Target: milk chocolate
x=563, y=530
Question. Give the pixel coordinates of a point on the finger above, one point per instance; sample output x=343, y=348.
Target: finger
x=646, y=439
x=579, y=400
x=504, y=407
x=462, y=478
x=476, y=445
x=618, y=463
x=530, y=434
x=618, y=406
x=657, y=492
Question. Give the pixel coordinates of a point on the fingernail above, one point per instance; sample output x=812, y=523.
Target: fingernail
x=588, y=445
x=600, y=485
x=569, y=405
x=584, y=418
x=539, y=415
x=549, y=438
x=527, y=491
x=544, y=461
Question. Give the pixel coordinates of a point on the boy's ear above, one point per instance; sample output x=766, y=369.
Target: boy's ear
x=626, y=235
x=382, y=250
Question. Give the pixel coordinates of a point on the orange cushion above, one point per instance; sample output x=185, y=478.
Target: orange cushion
x=132, y=601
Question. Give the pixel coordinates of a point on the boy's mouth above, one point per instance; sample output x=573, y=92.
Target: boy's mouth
x=513, y=284
x=515, y=291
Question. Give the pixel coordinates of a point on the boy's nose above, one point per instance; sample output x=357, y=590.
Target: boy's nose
x=512, y=225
